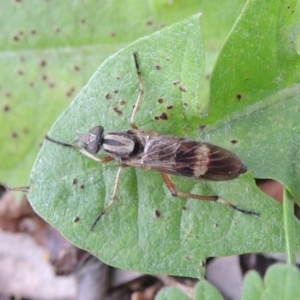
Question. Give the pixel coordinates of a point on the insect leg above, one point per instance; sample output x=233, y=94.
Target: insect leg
x=81, y=150
x=112, y=199
x=141, y=91
x=23, y=189
x=175, y=193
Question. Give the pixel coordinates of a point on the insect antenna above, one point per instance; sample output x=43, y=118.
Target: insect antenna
x=60, y=143
x=80, y=149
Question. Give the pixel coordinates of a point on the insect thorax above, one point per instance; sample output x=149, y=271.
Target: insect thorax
x=119, y=145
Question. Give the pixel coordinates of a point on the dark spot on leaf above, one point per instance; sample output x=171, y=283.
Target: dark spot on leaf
x=182, y=88
x=6, y=108
x=233, y=142
x=44, y=77
x=156, y=118
x=14, y=135
x=175, y=83
x=107, y=96
x=21, y=72
x=168, y=58
x=207, y=76
x=149, y=22
x=201, y=126
x=75, y=181
x=112, y=34
x=238, y=97
x=70, y=92
x=82, y=21
x=160, y=100
x=8, y=95
x=163, y=116
x=169, y=106
x=82, y=186
x=157, y=213
x=31, y=84
x=43, y=63
x=76, y=219
x=51, y=85
x=15, y=38
x=33, y=32
x=25, y=131
x=21, y=33
x=116, y=91
x=184, y=208
x=122, y=102
x=76, y=68
x=158, y=67
x=57, y=29
x=118, y=111
x=118, y=77
x=185, y=104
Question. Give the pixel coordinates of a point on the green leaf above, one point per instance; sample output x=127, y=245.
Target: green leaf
x=253, y=286
x=185, y=232
x=131, y=234
x=202, y=291
x=281, y=282
x=206, y=291
x=171, y=293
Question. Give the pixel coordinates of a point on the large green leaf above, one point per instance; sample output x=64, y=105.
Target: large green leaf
x=39, y=76
x=131, y=234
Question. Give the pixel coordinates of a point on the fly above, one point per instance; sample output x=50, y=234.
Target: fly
x=166, y=154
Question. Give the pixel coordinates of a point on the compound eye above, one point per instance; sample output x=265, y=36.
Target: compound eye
x=94, y=141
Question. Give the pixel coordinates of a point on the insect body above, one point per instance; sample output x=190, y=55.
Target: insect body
x=166, y=154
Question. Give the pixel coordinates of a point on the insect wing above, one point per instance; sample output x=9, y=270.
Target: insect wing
x=189, y=158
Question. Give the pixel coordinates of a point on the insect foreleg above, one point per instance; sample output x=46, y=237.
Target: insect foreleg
x=94, y=157
x=113, y=197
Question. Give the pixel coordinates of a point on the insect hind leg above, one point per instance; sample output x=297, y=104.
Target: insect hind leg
x=176, y=193
x=141, y=90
